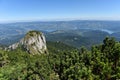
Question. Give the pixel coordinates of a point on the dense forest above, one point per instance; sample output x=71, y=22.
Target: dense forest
x=63, y=63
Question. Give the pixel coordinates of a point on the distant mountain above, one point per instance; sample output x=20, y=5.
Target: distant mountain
x=23, y=27
x=10, y=39
x=86, y=31
x=59, y=47
x=96, y=34
x=75, y=38
x=116, y=35
x=78, y=38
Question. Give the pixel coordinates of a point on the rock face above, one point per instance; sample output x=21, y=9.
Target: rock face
x=34, y=43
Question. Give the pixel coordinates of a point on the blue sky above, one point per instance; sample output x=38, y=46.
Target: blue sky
x=33, y=10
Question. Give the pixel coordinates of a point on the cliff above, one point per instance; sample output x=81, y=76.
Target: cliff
x=34, y=43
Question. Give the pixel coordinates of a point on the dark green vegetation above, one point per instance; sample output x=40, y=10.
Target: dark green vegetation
x=63, y=63
x=33, y=33
x=78, y=38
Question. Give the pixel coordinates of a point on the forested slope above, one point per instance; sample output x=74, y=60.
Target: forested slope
x=101, y=62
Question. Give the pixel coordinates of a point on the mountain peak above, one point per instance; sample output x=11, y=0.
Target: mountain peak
x=34, y=43
x=33, y=33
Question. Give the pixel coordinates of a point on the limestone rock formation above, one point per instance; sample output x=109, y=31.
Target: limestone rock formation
x=34, y=43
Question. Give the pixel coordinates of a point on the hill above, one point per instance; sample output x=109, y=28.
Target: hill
x=78, y=38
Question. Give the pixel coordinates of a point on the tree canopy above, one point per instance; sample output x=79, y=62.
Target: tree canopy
x=101, y=62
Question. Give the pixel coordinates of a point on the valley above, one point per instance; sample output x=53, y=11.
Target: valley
x=75, y=33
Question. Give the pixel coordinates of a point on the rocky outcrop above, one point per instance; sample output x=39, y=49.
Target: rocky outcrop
x=34, y=43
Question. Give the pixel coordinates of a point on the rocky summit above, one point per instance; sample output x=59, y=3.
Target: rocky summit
x=34, y=43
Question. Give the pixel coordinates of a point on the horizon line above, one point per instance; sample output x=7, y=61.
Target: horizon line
x=56, y=20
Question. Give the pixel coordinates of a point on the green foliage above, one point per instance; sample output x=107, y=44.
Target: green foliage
x=63, y=63
x=24, y=66
x=32, y=33
x=78, y=38
x=55, y=47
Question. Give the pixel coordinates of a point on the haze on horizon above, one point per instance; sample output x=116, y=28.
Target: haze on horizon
x=33, y=10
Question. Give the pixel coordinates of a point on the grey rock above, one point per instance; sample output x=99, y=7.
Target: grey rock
x=34, y=43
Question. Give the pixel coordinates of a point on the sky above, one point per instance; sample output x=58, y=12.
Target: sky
x=34, y=10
